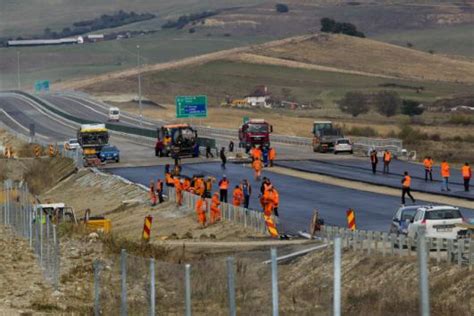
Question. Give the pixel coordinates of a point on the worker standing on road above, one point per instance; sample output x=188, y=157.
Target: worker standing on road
x=215, y=211
x=208, y=152
x=159, y=148
x=199, y=186
x=231, y=146
x=208, y=185
x=257, y=166
x=201, y=209
x=428, y=164
x=223, y=158
x=271, y=156
x=223, y=187
x=374, y=160
x=406, y=183
x=467, y=175
x=445, y=175
x=247, y=191
x=265, y=157
x=256, y=153
x=387, y=158
x=159, y=190
x=237, y=196
x=152, y=193
x=179, y=191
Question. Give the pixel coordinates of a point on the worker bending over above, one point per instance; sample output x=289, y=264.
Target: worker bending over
x=201, y=209
x=215, y=211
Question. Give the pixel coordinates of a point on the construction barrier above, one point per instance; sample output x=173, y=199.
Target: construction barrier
x=351, y=221
x=51, y=151
x=8, y=152
x=37, y=151
x=272, y=229
x=147, y=228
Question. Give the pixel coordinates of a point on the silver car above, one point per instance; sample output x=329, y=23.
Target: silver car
x=343, y=145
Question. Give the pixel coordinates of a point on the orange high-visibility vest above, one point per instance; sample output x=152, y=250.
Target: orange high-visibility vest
x=428, y=163
x=224, y=184
x=466, y=172
x=444, y=170
x=257, y=165
x=238, y=196
x=272, y=154
x=406, y=181
x=257, y=153
x=387, y=156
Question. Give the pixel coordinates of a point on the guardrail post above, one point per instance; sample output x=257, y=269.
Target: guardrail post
x=231, y=286
x=337, y=277
x=423, y=275
x=123, y=269
x=460, y=243
x=187, y=285
x=274, y=281
x=96, y=287
x=152, y=287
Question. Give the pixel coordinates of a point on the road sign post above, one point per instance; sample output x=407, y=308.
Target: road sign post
x=191, y=106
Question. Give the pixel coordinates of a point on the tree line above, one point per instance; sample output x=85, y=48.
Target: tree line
x=184, y=20
x=332, y=26
x=385, y=102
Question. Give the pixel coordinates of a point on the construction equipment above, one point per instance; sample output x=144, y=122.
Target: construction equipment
x=255, y=132
x=178, y=140
x=325, y=136
x=92, y=137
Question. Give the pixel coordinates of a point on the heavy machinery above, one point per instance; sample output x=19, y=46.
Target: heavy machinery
x=92, y=137
x=255, y=132
x=325, y=136
x=178, y=140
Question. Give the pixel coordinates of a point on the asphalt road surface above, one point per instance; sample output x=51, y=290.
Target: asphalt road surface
x=360, y=170
x=298, y=197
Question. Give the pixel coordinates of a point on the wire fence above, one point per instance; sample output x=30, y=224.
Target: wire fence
x=247, y=218
x=19, y=212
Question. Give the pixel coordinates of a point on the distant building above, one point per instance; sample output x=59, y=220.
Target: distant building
x=40, y=42
x=95, y=37
x=259, y=97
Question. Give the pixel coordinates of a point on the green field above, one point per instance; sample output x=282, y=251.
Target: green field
x=455, y=40
x=59, y=63
x=220, y=78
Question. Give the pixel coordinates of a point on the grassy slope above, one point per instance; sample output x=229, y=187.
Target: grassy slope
x=455, y=40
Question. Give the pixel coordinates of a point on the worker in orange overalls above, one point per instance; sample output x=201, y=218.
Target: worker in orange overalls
x=467, y=175
x=201, y=209
x=223, y=187
x=237, y=196
x=208, y=186
x=199, y=186
x=271, y=156
x=215, y=211
x=179, y=191
x=152, y=193
x=406, y=183
x=387, y=158
x=269, y=200
x=445, y=175
x=428, y=164
x=256, y=154
x=257, y=165
x=186, y=184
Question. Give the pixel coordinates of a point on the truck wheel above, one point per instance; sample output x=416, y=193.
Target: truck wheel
x=335, y=152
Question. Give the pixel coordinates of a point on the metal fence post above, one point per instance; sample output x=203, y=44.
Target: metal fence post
x=231, y=286
x=123, y=269
x=187, y=286
x=274, y=281
x=152, y=287
x=96, y=288
x=423, y=276
x=337, y=277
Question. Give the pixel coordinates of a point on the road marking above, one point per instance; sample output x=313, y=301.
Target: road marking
x=21, y=126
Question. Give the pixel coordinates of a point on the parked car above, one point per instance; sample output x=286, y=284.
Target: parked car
x=402, y=219
x=343, y=145
x=72, y=144
x=109, y=153
x=437, y=222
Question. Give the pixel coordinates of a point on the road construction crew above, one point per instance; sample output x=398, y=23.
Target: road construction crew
x=428, y=164
x=266, y=184
x=374, y=160
x=269, y=201
x=152, y=194
x=387, y=158
x=445, y=175
x=247, y=191
x=159, y=190
x=237, y=196
x=223, y=187
x=467, y=175
x=179, y=191
x=257, y=165
x=406, y=183
x=272, y=156
x=201, y=209
x=215, y=211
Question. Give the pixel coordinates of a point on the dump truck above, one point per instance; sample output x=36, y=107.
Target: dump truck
x=178, y=140
x=325, y=136
x=91, y=138
x=255, y=132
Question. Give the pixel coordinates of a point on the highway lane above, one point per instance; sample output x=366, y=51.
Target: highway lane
x=298, y=197
x=354, y=170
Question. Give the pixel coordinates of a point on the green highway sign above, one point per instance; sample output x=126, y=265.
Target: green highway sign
x=41, y=85
x=191, y=106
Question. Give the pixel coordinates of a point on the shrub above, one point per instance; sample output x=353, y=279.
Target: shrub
x=365, y=131
x=387, y=103
x=411, y=108
x=354, y=103
x=281, y=8
x=331, y=26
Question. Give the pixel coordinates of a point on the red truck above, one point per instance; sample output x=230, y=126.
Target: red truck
x=254, y=132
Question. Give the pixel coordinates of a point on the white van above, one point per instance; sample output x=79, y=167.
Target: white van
x=114, y=114
x=437, y=222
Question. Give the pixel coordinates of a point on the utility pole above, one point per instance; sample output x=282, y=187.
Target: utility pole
x=139, y=86
x=18, y=68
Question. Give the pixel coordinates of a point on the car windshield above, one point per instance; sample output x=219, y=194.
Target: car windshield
x=443, y=214
x=408, y=214
x=257, y=128
x=115, y=112
x=343, y=141
x=73, y=141
x=109, y=148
